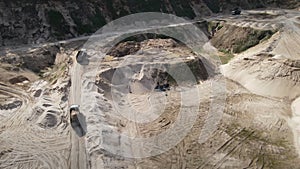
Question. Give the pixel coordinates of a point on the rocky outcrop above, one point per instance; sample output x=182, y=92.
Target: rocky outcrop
x=35, y=60
x=39, y=21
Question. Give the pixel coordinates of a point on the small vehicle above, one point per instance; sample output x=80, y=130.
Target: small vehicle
x=236, y=11
x=74, y=111
x=77, y=120
x=81, y=57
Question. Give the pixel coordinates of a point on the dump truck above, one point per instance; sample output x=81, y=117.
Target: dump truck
x=77, y=121
x=81, y=57
x=236, y=11
x=74, y=111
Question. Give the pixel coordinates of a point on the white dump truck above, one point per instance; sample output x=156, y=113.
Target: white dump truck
x=77, y=120
x=82, y=57
x=74, y=111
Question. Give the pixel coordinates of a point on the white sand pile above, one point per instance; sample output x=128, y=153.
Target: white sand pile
x=294, y=123
x=271, y=68
x=284, y=44
x=268, y=77
x=288, y=45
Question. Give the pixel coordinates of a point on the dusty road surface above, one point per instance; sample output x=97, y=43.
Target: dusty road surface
x=78, y=157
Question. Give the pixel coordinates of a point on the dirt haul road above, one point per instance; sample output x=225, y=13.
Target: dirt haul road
x=78, y=158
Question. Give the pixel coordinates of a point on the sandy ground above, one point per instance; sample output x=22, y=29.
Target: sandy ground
x=251, y=124
x=28, y=137
x=258, y=129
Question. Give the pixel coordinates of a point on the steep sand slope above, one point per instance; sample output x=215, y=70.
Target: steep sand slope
x=265, y=76
x=288, y=45
x=294, y=122
x=272, y=67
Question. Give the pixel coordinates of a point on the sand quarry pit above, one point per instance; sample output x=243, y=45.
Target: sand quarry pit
x=136, y=114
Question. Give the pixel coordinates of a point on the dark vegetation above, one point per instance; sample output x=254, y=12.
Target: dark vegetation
x=213, y=5
x=89, y=21
x=58, y=24
x=95, y=21
x=254, y=38
x=238, y=39
x=145, y=36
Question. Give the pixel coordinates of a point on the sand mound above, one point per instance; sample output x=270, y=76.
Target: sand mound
x=284, y=44
x=125, y=48
x=138, y=78
x=295, y=124
x=265, y=76
x=289, y=44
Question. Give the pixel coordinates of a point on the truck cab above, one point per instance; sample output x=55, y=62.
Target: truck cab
x=82, y=57
x=74, y=111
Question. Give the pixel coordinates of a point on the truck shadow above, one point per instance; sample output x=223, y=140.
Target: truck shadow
x=79, y=126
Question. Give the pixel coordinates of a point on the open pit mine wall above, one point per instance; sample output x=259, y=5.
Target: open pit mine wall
x=38, y=21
